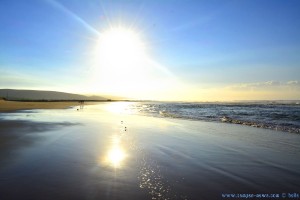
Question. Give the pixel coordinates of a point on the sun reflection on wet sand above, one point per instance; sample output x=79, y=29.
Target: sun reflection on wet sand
x=116, y=156
x=120, y=108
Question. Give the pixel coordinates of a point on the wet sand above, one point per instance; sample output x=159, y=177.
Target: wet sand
x=98, y=154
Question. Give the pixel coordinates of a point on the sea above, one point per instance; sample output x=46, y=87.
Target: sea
x=281, y=116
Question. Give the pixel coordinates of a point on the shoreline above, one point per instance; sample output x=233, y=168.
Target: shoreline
x=15, y=105
x=18, y=105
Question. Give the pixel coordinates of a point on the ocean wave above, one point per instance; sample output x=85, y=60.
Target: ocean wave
x=261, y=125
x=280, y=117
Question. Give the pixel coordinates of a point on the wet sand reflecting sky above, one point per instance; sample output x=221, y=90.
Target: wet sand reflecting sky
x=102, y=152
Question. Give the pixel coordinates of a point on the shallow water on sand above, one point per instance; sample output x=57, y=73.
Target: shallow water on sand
x=100, y=152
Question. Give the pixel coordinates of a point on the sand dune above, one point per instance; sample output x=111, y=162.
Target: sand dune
x=11, y=94
x=17, y=105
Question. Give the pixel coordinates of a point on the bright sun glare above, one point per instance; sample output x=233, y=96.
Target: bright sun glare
x=122, y=65
x=120, y=46
x=120, y=54
x=116, y=156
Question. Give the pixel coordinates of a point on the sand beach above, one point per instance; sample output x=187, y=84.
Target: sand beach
x=101, y=152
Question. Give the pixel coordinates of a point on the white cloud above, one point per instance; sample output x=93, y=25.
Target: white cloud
x=268, y=85
x=294, y=83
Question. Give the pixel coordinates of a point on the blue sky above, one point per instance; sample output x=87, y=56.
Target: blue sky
x=209, y=46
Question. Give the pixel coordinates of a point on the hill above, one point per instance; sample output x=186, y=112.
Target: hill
x=11, y=94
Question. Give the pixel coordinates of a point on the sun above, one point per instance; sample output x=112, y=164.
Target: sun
x=120, y=46
x=122, y=65
x=120, y=55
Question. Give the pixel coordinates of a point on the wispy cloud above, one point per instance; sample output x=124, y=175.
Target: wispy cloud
x=268, y=85
x=293, y=83
x=19, y=80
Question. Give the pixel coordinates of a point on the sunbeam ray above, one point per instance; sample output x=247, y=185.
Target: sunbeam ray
x=72, y=15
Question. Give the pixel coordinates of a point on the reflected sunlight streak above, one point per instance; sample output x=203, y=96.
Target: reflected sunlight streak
x=120, y=107
x=68, y=12
x=116, y=154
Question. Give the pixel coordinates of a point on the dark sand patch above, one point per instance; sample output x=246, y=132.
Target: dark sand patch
x=17, y=134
